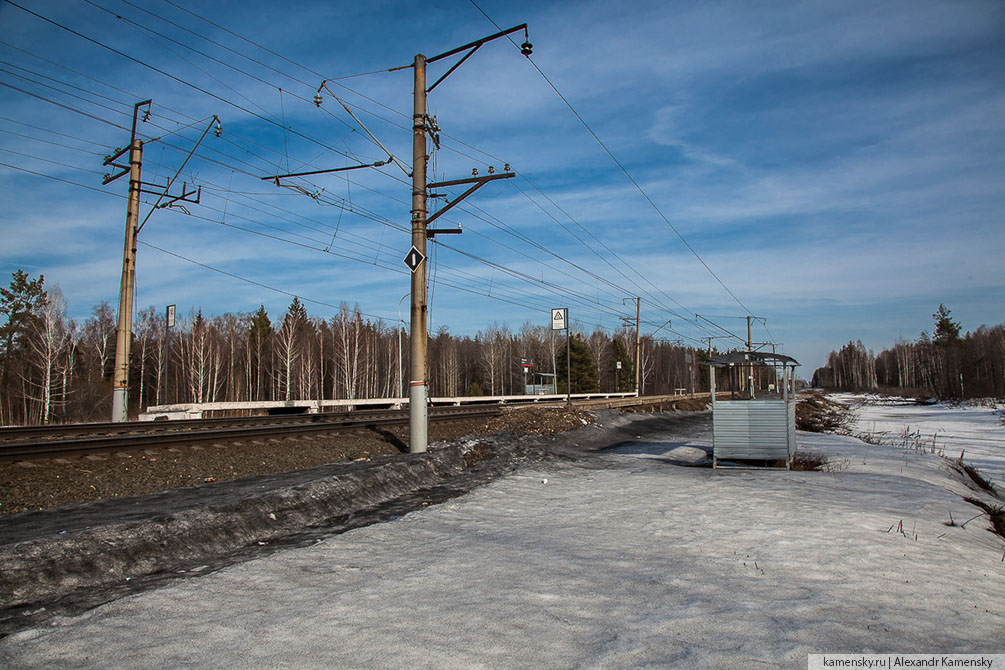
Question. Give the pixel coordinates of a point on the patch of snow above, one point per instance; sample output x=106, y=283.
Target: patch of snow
x=973, y=430
x=622, y=560
x=689, y=455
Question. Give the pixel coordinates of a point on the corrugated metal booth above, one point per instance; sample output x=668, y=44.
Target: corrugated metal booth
x=752, y=431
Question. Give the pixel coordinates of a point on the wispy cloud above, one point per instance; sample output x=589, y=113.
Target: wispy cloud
x=823, y=158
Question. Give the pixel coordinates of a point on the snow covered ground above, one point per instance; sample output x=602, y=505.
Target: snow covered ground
x=621, y=559
x=949, y=429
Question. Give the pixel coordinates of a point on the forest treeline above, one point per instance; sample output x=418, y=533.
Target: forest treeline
x=946, y=364
x=56, y=369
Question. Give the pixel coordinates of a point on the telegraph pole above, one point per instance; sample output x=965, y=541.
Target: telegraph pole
x=417, y=389
x=693, y=355
x=638, y=343
x=708, y=339
x=750, y=364
x=638, y=340
x=123, y=336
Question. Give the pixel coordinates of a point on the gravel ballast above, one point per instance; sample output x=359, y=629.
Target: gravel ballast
x=53, y=482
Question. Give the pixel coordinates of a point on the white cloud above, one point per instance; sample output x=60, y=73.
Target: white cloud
x=810, y=152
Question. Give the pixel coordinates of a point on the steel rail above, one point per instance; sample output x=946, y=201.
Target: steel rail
x=21, y=433
x=83, y=445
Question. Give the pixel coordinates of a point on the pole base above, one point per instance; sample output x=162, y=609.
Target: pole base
x=418, y=418
x=120, y=405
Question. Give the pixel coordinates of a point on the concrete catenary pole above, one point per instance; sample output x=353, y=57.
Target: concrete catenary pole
x=123, y=337
x=638, y=343
x=168, y=325
x=418, y=396
x=401, y=391
x=774, y=364
x=750, y=364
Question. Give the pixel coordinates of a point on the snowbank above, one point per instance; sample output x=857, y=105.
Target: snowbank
x=61, y=553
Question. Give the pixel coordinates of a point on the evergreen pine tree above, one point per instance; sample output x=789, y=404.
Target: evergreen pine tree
x=261, y=326
x=20, y=302
x=584, y=377
x=946, y=330
x=259, y=351
x=626, y=375
x=297, y=312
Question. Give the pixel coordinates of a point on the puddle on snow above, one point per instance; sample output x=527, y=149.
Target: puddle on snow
x=675, y=452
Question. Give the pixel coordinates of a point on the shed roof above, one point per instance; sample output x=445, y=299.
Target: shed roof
x=757, y=357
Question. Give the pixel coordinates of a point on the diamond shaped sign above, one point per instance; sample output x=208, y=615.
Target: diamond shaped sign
x=413, y=259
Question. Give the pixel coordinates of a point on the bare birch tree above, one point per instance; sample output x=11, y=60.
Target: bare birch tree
x=47, y=343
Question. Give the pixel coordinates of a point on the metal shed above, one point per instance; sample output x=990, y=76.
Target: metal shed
x=755, y=432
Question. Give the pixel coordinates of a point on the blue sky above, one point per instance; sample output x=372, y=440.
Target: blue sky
x=837, y=165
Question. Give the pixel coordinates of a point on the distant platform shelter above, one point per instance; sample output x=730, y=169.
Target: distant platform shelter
x=754, y=432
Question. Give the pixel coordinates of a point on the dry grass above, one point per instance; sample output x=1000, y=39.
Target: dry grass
x=818, y=414
x=996, y=513
x=808, y=460
x=977, y=478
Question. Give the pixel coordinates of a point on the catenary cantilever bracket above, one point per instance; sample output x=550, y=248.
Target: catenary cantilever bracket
x=477, y=182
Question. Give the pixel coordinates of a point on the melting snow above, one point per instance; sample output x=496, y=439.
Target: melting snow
x=944, y=429
x=622, y=560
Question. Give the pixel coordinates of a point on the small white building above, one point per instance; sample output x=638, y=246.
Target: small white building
x=754, y=432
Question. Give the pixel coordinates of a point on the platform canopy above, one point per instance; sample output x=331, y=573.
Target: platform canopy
x=746, y=357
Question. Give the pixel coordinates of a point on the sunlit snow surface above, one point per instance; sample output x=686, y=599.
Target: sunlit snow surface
x=972, y=428
x=623, y=560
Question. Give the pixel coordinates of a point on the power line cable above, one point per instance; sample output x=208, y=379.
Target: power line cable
x=610, y=251
x=213, y=42
x=60, y=179
x=335, y=79
x=496, y=223
x=49, y=130
x=381, y=265
x=66, y=107
x=470, y=255
x=47, y=160
x=154, y=35
x=594, y=251
x=255, y=283
x=620, y=165
x=450, y=284
x=479, y=259
x=89, y=152
x=171, y=76
x=236, y=69
x=473, y=257
x=60, y=83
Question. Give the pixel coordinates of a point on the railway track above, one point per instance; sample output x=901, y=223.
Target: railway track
x=27, y=442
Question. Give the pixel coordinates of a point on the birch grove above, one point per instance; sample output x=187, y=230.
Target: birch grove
x=945, y=365
x=58, y=370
